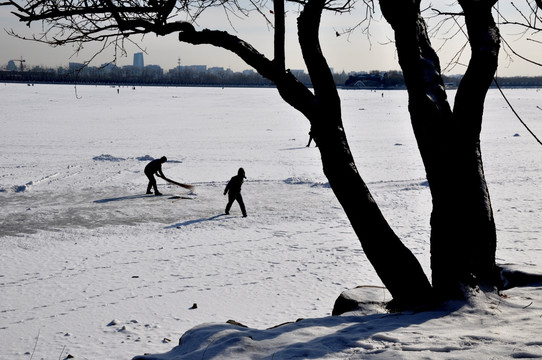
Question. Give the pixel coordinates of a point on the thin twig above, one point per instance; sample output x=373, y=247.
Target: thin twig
x=525, y=307
x=514, y=111
x=62, y=352
x=35, y=345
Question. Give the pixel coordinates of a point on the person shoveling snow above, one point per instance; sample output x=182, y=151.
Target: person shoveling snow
x=155, y=168
x=152, y=168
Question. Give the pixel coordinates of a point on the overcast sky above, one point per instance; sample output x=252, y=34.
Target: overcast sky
x=353, y=52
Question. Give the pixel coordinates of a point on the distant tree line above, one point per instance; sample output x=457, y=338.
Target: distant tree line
x=129, y=75
x=148, y=75
x=394, y=79
x=201, y=76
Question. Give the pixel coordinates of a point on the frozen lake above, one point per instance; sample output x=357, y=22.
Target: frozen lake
x=81, y=245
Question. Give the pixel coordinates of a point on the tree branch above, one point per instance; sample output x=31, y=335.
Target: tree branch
x=519, y=55
x=483, y=37
x=224, y=40
x=292, y=91
x=317, y=66
x=280, y=56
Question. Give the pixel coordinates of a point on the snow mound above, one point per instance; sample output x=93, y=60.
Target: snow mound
x=401, y=185
x=145, y=158
x=304, y=181
x=416, y=185
x=22, y=188
x=150, y=158
x=107, y=157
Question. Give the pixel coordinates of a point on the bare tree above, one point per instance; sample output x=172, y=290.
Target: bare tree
x=463, y=237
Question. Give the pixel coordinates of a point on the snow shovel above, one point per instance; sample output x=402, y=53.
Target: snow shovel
x=186, y=186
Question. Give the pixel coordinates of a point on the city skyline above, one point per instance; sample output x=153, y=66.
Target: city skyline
x=137, y=62
x=350, y=52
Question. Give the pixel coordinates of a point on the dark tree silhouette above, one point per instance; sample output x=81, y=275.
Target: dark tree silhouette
x=463, y=235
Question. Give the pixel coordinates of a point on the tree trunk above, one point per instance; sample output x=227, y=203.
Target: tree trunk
x=468, y=111
x=462, y=221
x=462, y=227
x=396, y=266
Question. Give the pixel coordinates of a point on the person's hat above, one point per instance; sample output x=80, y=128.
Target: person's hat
x=241, y=172
x=163, y=158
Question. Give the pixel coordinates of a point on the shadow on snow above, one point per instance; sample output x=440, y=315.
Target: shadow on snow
x=121, y=198
x=195, y=221
x=140, y=196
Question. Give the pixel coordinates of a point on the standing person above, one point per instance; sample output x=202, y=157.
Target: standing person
x=154, y=167
x=310, y=138
x=233, y=189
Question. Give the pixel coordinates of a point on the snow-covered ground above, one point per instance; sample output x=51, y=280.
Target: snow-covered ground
x=93, y=268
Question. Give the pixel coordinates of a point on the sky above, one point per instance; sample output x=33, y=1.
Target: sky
x=355, y=51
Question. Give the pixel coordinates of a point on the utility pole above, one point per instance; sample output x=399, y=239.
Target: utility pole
x=179, y=67
x=21, y=61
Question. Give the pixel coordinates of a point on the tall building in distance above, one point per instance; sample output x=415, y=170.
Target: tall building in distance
x=138, y=60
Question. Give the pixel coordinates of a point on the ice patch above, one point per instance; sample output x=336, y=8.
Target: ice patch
x=107, y=157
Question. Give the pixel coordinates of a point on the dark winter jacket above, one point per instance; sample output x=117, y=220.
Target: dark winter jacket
x=154, y=167
x=234, y=186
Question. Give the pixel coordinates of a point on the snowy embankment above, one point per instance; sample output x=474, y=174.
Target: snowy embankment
x=93, y=268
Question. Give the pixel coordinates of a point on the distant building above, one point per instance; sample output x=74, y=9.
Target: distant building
x=108, y=67
x=194, y=68
x=11, y=66
x=75, y=66
x=138, y=60
x=153, y=72
x=216, y=70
